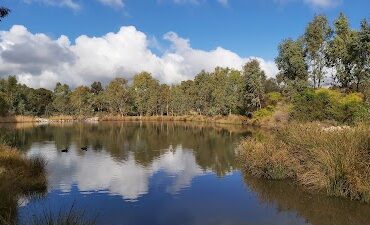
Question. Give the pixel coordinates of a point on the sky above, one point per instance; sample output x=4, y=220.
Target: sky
x=81, y=41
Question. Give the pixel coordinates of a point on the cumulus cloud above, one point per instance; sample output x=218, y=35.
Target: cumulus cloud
x=40, y=61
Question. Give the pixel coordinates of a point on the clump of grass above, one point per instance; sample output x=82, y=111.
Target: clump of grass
x=17, y=119
x=72, y=216
x=19, y=176
x=337, y=161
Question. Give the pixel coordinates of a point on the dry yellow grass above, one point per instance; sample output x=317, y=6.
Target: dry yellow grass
x=232, y=119
x=18, y=177
x=17, y=119
x=337, y=161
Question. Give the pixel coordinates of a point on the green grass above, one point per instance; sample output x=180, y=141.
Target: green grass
x=337, y=161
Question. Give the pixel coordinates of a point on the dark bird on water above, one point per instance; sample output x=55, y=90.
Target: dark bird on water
x=84, y=148
x=64, y=150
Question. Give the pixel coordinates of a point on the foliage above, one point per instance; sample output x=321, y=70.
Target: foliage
x=291, y=60
x=326, y=104
x=338, y=51
x=334, y=160
x=316, y=36
x=117, y=96
x=273, y=98
x=18, y=177
x=254, y=92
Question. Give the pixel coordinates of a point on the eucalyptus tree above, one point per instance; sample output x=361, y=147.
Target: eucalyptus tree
x=202, y=88
x=291, y=60
x=61, y=99
x=360, y=51
x=81, y=100
x=340, y=54
x=234, y=91
x=164, y=94
x=145, y=93
x=254, y=91
x=118, y=96
x=316, y=37
x=219, y=79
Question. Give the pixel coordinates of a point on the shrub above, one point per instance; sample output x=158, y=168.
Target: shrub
x=19, y=176
x=336, y=161
x=264, y=112
x=328, y=105
x=273, y=98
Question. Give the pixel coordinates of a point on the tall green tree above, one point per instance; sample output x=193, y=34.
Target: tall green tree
x=234, y=92
x=96, y=88
x=81, y=100
x=339, y=52
x=360, y=51
x=39, y=101
x=316, y=37
x=164, y=94
x=202, y=88
x=219, y=102
x=291, y=60
x=118, y=96
x=145, y=94
x=254, y=92
x=61, y=102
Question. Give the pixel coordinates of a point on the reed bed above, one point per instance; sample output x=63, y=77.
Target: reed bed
x=19, y=177
x=334, y=160
x=231, y=119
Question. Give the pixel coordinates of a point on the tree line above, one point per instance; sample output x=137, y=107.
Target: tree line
x=337, y=53
x=221, y=92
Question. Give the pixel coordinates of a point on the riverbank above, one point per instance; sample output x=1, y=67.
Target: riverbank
x=335, y=160
x=19, y=177
x=231, y=119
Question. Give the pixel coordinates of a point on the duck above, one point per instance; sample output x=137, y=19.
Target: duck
x=84, y=148
x=64, y=150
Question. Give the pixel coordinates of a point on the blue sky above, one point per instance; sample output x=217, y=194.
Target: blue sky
x=244, y=27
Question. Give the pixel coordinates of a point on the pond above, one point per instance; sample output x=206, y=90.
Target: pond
x=164, y=174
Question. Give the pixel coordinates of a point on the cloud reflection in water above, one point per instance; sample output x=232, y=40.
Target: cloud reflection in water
x=98, y=171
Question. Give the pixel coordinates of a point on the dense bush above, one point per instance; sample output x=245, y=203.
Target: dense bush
x=335, y=159
x=328, y=105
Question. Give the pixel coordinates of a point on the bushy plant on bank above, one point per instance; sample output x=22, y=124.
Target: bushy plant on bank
x=329, y=105
x=332, y=159
x=19, y=177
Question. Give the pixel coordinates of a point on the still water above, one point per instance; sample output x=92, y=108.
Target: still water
x=165, y=174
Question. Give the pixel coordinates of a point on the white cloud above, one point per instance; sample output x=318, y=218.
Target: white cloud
x=196, y=2
x=315, y=3
x=223, y=2
x=67, y=3
x=40, y=61
x=74, y=5
x=118, y=3
x=323, y=3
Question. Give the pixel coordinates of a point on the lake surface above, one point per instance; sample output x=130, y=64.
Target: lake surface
x=165, y=174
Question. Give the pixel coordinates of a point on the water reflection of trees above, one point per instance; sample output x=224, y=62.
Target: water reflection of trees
x=317, y=209
x=213, y=146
